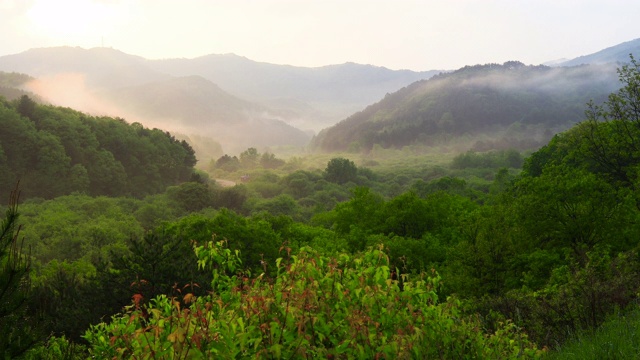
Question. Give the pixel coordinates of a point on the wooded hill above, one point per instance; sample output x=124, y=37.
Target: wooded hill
x=11, y=83
x=614, y=54
x=492, y=106
x=56, y=151
x=194, y=105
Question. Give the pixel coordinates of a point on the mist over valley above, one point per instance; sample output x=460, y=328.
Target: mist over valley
x=239, y=103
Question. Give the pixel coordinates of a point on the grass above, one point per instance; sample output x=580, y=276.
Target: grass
x=617, y=338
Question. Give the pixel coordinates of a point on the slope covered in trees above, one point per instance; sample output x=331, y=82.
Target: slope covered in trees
x=11, y=85
x=55, y=151
x=614, y=54
x=489, y=106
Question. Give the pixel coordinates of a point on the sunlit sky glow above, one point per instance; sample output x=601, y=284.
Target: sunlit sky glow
x=398, y=34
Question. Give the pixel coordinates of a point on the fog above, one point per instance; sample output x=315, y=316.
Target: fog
x=550, y=79
x=70, y=90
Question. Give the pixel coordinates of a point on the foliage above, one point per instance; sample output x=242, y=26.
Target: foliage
x=57, y=348
x=347, y=307
x=17, y=323
x=495, y=159
x=606, y=143
x=340, y=170
x=573, y=209
x=617, y=338
x=57, y=151
x=249, y=159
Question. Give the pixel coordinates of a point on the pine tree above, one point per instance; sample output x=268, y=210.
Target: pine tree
x=18, y=334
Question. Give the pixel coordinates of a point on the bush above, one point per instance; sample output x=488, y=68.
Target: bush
x=314, y=307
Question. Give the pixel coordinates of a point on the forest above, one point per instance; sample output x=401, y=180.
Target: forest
x=117, y=244
x=480, y=107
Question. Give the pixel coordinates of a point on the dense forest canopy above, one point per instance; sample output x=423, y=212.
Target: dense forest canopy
x=55, y=151
x=11, y=85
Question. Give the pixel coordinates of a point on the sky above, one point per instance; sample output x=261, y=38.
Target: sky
x=397, y=34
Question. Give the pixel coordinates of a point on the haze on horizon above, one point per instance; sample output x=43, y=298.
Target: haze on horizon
x=402, y=34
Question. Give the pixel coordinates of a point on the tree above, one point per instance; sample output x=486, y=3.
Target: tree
x=249, y=158
x=227, y=163
x=191, y=196
x=269, y=161
x=26, y=107
x=574, y=209
x=18, y=334
x=340, y=170
x=607, y=143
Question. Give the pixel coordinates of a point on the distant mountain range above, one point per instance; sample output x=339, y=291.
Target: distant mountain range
x=313, y=97
x=480, y=107
x=242, y=103
x=615, y=54
x=270, y=103
x=483, y=107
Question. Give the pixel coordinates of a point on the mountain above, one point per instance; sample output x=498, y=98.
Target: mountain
x=105, y=81
x=55, y=151
x=318, y=96
x=101, y=67
x=478, y=107
x=11, y=85
x=194, y=105
x=215, y=94
x=615, y=54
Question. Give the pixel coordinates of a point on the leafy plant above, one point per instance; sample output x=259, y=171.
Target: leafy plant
x=316, y=306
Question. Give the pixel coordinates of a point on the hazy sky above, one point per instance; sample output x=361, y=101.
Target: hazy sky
x=417, y=35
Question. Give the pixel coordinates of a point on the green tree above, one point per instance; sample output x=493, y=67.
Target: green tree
x=574, y=209
x=280, y=205
x=611, y=133
x=269, y=161
x=363, y=211
x=249, y=158
x=26, y=107
x=191, y=196
x=16, y=323
x=227, y=163
x=341, y=170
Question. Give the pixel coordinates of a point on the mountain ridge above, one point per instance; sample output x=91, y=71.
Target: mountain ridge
x=303, y=98
x=492, y=106
x=614, y=54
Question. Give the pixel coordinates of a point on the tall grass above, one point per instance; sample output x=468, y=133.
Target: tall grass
x=617, y=338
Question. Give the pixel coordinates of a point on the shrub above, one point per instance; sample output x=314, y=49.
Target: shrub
x=316, y=306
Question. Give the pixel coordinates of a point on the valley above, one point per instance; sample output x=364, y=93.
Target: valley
x=219, y=207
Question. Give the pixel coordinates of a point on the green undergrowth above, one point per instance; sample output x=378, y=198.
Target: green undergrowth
x=346, y=307
x=617, y=338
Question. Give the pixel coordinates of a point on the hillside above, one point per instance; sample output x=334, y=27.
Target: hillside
x=55, y=151
x=104, y=81
x=483, y=106
x=306, y=98
x=318, y=96
x=100, y=67
x=614, y=54
x=11, y=85
x=194, y=105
